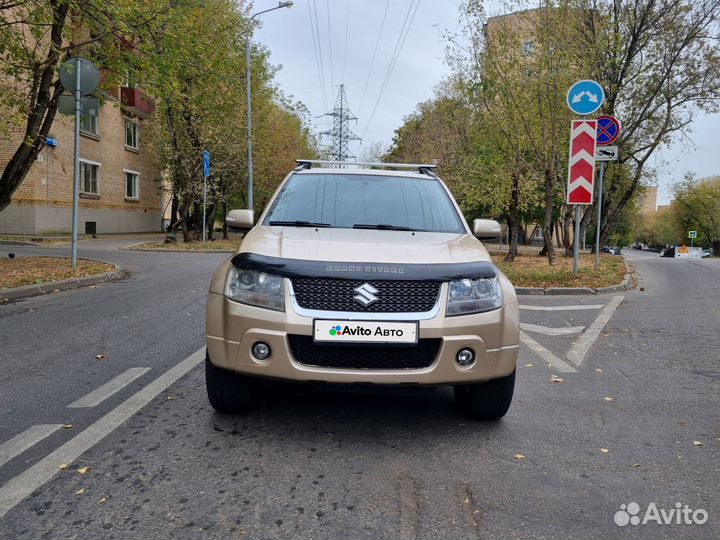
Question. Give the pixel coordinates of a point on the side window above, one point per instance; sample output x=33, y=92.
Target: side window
x=131, y=134
x=131, y=185
x=89, y=178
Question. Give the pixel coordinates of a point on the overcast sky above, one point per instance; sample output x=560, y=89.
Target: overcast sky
x=348, y=32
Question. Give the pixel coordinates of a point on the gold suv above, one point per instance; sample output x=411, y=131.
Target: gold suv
x=361, y=274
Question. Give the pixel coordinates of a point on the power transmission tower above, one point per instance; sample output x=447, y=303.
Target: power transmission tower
x=340, y=132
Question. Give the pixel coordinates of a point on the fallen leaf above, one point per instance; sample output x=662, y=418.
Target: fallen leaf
x=102, y=500
x=635, y=464
x=529, y=364
x=604, y=450
x=607, y=398
x=80, y=491
x=64, y=466
x=519, y=456
x=683, y=423
x=697, y=443
x=598, y=370
x=99, y=356
x=83, y=470
x=556, y=379
x=67, y=426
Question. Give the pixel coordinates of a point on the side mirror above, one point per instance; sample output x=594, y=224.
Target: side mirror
x=486, y=228
x=240, y=220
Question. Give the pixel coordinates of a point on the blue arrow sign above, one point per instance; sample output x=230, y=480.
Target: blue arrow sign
x=585, y=97
x=206, y=163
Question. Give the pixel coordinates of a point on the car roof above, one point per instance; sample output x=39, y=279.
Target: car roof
x=366, y=172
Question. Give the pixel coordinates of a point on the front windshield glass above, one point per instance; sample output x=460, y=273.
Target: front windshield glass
x=365, y=201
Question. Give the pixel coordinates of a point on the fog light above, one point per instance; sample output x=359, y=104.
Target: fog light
x=465, y=357
x=261, y=350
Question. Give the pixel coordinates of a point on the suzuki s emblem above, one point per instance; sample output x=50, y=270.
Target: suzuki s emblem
x=366, y=294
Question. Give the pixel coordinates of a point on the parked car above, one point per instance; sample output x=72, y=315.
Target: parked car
x=705, y=253
x=669, y=252
x=359, y=275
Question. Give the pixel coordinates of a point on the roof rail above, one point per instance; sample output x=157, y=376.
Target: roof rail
x=309, y=163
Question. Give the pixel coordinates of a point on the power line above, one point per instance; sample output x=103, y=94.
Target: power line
x=393, y=61
x=372, y=62
x=340, y=132
x=317, y=63
x=327, y=4
x=322, y=67
x=347, y=28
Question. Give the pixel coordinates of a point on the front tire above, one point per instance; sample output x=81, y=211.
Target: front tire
x=230, y=392
x=486, y=401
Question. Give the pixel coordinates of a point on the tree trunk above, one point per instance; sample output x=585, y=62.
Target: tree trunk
x=548, y=223
x=211, y=220
x=513, y=219
x=42, y=108
x=225, y=227
x=567, y=226
x=584, y=224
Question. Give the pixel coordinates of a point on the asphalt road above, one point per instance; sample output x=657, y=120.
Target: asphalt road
x=339, y=464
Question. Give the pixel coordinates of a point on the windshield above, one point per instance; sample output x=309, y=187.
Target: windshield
x=366, y=202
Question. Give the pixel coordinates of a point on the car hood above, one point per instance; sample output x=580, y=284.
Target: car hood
x=359, y=245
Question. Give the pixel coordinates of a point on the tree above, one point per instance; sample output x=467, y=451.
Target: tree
x=35, y=38
x=697, y=207
x=659, y=64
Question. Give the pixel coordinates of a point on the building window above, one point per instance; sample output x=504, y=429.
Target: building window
x=89, y=177
x=131, y=134
x=131, y=184
x=89, y=124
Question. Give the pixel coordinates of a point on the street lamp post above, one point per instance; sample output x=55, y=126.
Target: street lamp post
x=249, y=107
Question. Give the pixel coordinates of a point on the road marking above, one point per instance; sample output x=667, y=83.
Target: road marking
x=548, y=331
x=546, y=355
x=563, y=308
x=16, y=489
x=408, y=508
x=578, y=351
x=30, y=437
x=99, y=395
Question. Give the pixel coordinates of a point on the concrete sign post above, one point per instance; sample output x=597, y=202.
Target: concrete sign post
x=79, y=76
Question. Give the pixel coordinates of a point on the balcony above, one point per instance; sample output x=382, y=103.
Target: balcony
x=136, y=101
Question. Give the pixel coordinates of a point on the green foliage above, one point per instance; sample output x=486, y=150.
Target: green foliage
x=697, y=207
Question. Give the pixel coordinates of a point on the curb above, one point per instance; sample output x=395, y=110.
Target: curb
x=135, y=247
x=27, y=291
x=571, y=291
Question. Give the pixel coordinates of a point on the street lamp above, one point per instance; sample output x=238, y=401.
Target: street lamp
x=249, y=100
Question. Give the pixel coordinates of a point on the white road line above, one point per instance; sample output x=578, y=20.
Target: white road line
x=562, y=308
x=578, y=351
x=546, y=355
x=31, y=436
x=99, y=395
x=25, y=483
x=548, y=331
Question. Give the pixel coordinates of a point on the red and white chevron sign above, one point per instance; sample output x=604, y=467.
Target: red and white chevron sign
x=581, y=167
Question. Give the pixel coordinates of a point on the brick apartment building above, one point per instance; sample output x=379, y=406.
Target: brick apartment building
x=119, y=175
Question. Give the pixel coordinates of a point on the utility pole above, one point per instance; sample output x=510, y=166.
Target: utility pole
x=340, y=132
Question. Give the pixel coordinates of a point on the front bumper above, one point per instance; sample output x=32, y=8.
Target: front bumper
x=233, y=328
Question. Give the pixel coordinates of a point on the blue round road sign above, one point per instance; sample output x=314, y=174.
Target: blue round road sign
x=585, y=97
x=608, y=130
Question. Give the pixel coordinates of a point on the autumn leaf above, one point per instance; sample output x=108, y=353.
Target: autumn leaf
x=67, y=426
x=697, y=443
x=607, y=398
x=83, y=470
x=80, y=491
x=683, y=423
x=519, y=456
x=556, y=379
x=64, y=466
x=636, y=465
x=99, y=356
x=598, y=370
x=529, y=364
x=604, y=450
x=101, y=501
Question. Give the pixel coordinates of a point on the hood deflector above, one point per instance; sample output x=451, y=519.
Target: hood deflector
x=367, y=270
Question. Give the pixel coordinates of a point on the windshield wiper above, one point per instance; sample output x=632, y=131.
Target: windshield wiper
x=299, y=223
x=384, y=227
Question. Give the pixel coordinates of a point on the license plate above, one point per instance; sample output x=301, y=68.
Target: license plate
x=366, y=332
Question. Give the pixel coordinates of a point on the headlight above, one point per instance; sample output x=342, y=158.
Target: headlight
x=255, y=288
x=474, y=296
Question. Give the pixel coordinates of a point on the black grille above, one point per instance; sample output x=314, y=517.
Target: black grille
x=337, y=295
x=307, y=352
